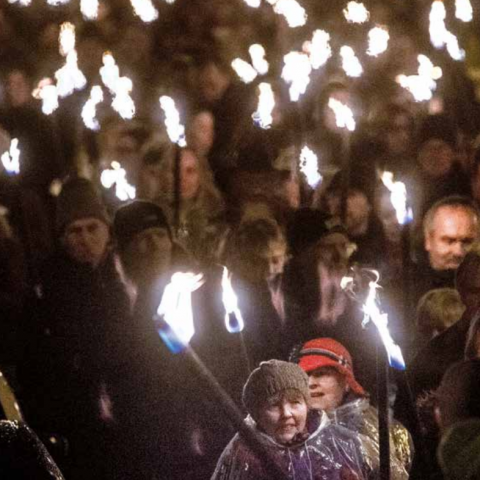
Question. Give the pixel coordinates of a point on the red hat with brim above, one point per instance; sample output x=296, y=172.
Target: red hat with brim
x=326, y=352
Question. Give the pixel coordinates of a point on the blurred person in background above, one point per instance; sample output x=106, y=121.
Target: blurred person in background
x=437, y=310
x=197, y=211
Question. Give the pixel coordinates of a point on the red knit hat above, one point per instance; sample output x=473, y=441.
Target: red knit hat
x=326, y=352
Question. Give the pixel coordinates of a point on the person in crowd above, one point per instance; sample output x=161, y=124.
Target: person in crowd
x=200, y=133
x=475, y=177
x=472, y=348
x=333, y=389
x=149, y=256
x=196, y=212
x=255, y=254
x=459, y=393
x=450, y=228
x=41, y=159
x=77, y=341
x=438, y=174
x=298, y=440
x=427, y=368
x=231, y=104
x=458, y=415
x=363, y=226
x=437, y=310
x=397, y=128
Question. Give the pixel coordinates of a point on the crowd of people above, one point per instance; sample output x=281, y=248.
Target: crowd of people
x=83, y=272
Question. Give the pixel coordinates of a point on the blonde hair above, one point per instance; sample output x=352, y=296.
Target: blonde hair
x=437, y=310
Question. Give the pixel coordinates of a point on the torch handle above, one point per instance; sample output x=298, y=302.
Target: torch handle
x=383, y=410
x=235, y=416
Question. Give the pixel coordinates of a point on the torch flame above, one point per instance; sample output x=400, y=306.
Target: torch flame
x=118, y=176
x=372, y=313
x=398, y=197
x=464, y=10
x=291, y=10
x=233, y=316
x=47, y=92
x=11, y=159
x=318, y=49
x=257, y=54
x=296, y=71
x=175, y=130
x=244, y=70
x=378, y=38
x=89, y=110
x=266, y=104
x=343, y=114
x=350, y=62
x=175, y=310
x=309, y=167
x=89, y=9
x=145, y=10
x=356, y=12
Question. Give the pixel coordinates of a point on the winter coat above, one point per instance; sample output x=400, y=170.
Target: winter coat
x=360, y=417
x=331, y=452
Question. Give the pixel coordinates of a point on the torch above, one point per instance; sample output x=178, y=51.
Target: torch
x=345, y=121
x=389, y=356
x=233, y=316
x=174, y=323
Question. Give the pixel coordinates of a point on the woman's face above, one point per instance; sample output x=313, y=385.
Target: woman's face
x=285, y=418
x=189, y=175
x=327, y=388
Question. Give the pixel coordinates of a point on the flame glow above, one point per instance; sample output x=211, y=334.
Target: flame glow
x=120, y=87
x=175, y=310
x=56, y=3
x=46, y=91
x=422, y=86
x=118, y=176
x=372, y=312
x=89, y=9
x=291, y=10
x=266, y=104
x=463, y=10
x=69, y=77
x=253, y=3
x=244, y=70
x=378, y=38
x=296, y=71
x=318, y=49
x=257, y=54
x=439, y=35
x=23, y=3
x=145, y=10
x=233, y=316
x=356, y=12
x=175, y=130
x=343, y=114
x=350, y=62
x=67, y=38
x=11, y=159
x=398, y=197
x=89, y=110
x=309, y=167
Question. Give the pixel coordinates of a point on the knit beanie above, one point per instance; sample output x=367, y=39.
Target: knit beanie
x=79, y=199
x=136, y=217
x=438, y=127
x=271, y=378
x=459, y=392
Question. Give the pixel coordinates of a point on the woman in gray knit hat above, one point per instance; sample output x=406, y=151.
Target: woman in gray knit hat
x=303, y=443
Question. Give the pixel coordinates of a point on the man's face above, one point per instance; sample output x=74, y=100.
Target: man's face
x=152, y=250
x=454, y=229
x=327, y=388
x=86, y=240
x=284, y=419
x=358, y=212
